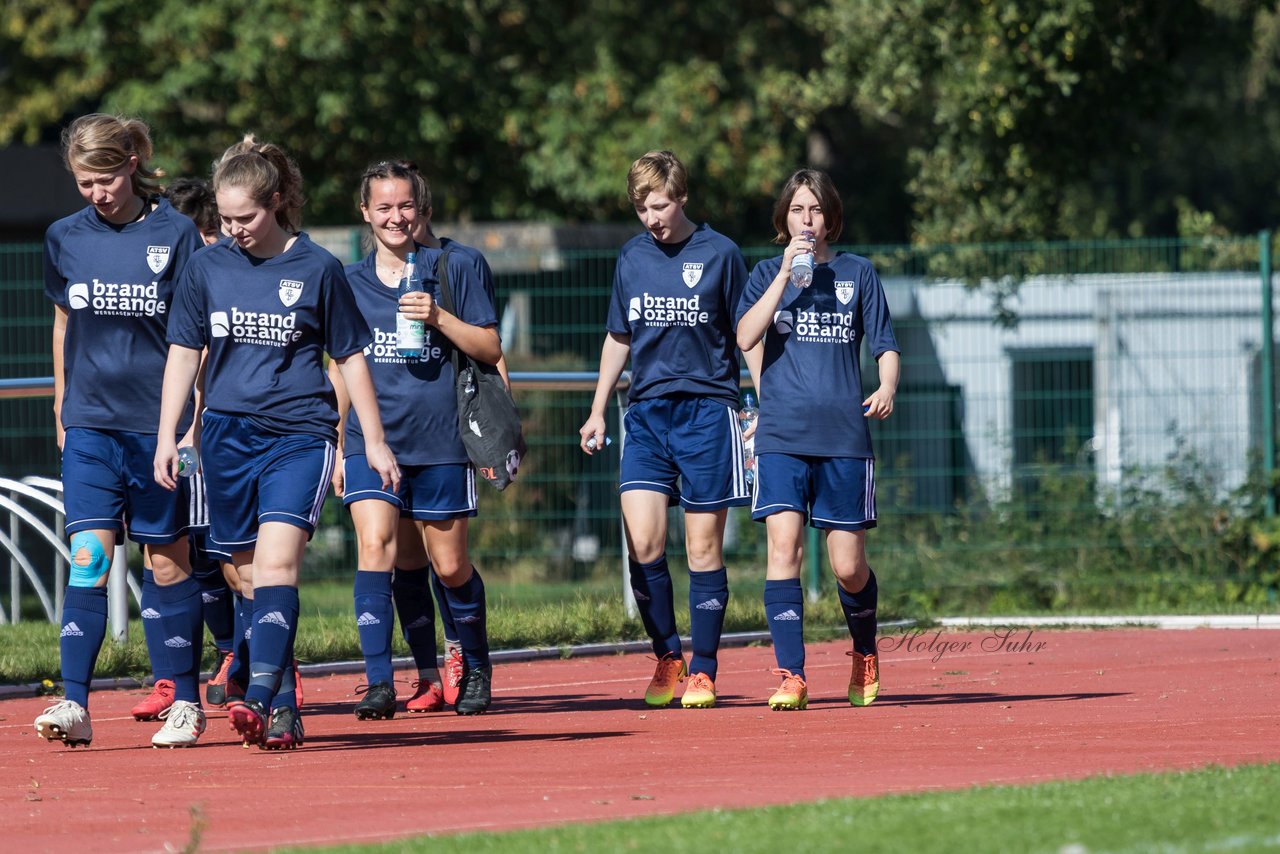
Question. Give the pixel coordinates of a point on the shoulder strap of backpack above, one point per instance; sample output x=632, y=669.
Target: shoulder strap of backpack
x=442, y=275
x=446, y=302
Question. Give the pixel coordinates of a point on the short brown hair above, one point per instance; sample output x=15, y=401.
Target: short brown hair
x=820, y=183
x=657, y=172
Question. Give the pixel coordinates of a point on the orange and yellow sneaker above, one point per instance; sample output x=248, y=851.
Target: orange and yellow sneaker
x=670, y=672
x=864, y=682
x=792, y=695
x=700, y=693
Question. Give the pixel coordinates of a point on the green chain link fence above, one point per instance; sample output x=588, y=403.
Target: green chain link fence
x=1080, y=426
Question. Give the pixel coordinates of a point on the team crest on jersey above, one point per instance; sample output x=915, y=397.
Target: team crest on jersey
x=844, y=292
x=290, y=290
x=157, y=258
x=692, y=274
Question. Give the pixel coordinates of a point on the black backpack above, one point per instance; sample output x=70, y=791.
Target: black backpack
x=487, y=416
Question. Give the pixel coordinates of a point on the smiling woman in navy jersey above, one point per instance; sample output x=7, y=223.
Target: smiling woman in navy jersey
x=437, y=494
x=675, y=288
x=268, y=304
x=813, y=446
x=110, y=271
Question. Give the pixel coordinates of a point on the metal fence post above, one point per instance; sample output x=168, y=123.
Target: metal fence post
x=813, y=564
x=118, y=594
x=1268, y=372
x=628, y=594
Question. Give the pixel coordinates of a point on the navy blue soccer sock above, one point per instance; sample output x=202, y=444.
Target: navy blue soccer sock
x=447, y=626
x=708, y=598
x=411, y=590
x=240, y=635
x=275, y=625
x=784, y=609
x=467, y=605
x=217, y=605
x=182, y=618
x=860, y=613
x=375, y=621
x=84, y=625
x=651, y=584
x=153, y=627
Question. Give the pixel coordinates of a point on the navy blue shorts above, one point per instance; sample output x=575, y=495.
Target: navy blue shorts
x=108, y=483
x=203, y=554
x=254, y=477
x=446, y=491
x=688, y=448
x=838, y=494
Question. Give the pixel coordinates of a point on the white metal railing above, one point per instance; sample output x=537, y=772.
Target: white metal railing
x=45, y=492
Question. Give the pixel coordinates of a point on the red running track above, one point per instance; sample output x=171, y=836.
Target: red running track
x=570, y=741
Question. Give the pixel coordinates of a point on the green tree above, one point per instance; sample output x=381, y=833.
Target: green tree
x=1036, y=120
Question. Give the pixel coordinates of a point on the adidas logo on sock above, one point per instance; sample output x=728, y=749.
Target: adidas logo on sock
x=711, y=605
x=640, y=597
x=788, y=615
x=176, y=642
x=71, y=630
x=150, y=614
x=419, y=623
x=367, y=619
x=209, y=598
x=862, y=615
x=275, y=618
x=468, y=620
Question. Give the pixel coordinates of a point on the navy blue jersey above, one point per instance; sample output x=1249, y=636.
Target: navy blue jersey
x=416, y=397
x=811, y=383
x=267, y=324
x=676, y=301
x=116, y=283
x=476, y=262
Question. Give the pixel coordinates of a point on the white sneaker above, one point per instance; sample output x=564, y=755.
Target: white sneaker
x=183, y=723
x=66, y=721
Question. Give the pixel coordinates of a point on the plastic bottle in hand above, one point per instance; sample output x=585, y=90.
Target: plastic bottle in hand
x=188, y=461
x=747, y=417
x=802, y=265
x=410, y=334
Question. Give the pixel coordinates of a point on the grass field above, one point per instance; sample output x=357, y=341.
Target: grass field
x=1214, y=809
x=1210, y=810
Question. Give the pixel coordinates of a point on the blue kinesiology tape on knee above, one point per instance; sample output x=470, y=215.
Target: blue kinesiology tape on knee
x=90, y=573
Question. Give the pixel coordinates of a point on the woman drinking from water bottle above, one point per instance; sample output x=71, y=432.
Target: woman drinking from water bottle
x=813, y=446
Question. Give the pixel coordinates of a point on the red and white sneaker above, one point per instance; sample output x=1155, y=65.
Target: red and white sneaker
x=428, y=697
x=160, y=698
x=453, y=670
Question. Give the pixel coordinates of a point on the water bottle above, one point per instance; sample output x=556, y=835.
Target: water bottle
x=746, y=417
x=410, y=334
x=802, y=265
x=188, y=461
